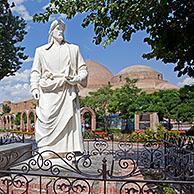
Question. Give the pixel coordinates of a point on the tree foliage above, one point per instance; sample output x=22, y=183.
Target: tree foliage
x=12, y=31
x=124, y=100
x=128, y=100
x=170, y=104
x=17, y=119
x=168, y=23
x=99, y=102
x=6, y=109
x=165, y=101
x=107, y=101
x=185, y=110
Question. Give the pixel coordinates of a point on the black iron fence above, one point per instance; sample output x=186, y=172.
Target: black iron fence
x=155, y=167
x=13, y=137
x=7, y=138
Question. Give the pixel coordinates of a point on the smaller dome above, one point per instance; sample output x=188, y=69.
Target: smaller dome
x=136, y=69
x=140, y=72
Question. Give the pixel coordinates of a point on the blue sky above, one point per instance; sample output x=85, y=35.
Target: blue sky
x=115, y=57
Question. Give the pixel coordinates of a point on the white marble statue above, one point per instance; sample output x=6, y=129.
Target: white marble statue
x=57, y=70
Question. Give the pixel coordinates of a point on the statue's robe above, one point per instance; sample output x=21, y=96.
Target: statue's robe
x=58, y=124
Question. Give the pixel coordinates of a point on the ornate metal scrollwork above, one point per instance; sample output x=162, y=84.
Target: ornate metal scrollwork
x=152, y=155
x=65, y=185
x=131, y=167
x=18, y=183
x=100, y=148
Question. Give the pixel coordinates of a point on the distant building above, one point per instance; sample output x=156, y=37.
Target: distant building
x=149, y=80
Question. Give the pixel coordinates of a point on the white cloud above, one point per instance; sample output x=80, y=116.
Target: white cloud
x=187, y=81
x=21, y=9
x=16, y=88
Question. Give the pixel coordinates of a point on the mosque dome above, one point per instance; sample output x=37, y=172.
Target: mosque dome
x=148, y=79
x=140, y=72
x=136, y=69
x=98, y=74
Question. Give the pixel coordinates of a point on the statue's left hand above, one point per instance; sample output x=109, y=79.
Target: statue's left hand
x=73, y=81
x=36, y=94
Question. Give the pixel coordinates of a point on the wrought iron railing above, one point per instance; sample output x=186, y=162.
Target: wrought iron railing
x=12, y=137
x=8, y=138
x=155, y=167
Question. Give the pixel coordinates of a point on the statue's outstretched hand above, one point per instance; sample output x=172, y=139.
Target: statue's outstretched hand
x=73, y=81
x=36, y=94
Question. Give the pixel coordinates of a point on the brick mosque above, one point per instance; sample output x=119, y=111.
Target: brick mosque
x=148, y=80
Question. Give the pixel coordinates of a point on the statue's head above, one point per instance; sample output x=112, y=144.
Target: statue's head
x=56, y=31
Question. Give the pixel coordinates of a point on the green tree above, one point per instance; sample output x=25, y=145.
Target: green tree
x=168, y=23
x=6, y=109
x=31, y=117
x=165, y=103
x=17, y=119
x=143, y=102
x=185, y=111
x=99, y=102
x=123, y=100
x=106, y=101
x=12, y=31
x=169, y=104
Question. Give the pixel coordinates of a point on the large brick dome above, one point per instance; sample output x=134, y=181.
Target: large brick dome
x=99, y=76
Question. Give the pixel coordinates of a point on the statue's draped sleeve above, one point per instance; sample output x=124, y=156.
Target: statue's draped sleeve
x=35, y=72
x=82, y=69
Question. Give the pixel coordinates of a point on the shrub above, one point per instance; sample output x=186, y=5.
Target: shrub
x=88, y=134
x=114, y=131
x=153, y=135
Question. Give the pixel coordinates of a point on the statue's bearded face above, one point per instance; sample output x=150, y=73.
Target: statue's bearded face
x=58, y=33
